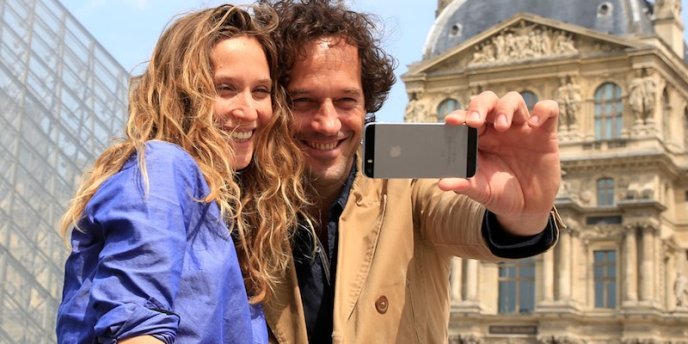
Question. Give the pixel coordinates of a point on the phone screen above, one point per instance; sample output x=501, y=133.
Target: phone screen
x=419, y=150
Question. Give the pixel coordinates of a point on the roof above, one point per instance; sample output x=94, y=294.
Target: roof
x=463, y=19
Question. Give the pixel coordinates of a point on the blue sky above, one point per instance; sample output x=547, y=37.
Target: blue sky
x=128, y=29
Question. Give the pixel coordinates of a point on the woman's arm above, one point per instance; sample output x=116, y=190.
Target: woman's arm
x=141, y=340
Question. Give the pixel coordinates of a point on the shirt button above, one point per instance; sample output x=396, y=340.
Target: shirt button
x=382, y=304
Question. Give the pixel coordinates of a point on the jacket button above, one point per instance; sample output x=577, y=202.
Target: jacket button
x=382, y=304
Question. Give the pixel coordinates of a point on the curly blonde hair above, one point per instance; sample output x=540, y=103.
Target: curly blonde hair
x=173, y=101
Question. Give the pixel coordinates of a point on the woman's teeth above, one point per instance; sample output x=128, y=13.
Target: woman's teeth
x=241, y=135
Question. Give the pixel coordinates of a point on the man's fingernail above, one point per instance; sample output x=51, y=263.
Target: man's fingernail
x=535, y=120
x=501, y=120
x=474, y=116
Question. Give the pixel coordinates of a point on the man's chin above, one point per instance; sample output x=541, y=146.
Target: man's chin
x=330, y=172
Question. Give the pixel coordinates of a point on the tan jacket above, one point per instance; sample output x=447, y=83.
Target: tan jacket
x=396, y=240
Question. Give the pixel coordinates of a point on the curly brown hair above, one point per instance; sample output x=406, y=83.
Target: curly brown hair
x=301, y=21
x=173, y=101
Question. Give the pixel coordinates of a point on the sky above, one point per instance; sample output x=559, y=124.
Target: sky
x=128, y=29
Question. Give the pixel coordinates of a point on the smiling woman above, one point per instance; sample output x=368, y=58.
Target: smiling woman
x=164, y=222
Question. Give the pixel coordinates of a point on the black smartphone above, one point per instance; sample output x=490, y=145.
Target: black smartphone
x=419, y=150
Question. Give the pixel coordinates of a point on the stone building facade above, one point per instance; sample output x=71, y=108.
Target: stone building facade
x=618, y=70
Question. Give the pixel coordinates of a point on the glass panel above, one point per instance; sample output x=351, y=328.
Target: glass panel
x=48, y=68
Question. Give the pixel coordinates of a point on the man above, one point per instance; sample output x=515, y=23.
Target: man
x=379, y=272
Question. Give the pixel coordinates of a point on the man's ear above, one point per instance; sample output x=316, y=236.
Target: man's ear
x=370, y=117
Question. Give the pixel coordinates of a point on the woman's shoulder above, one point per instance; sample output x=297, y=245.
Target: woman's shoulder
x=162, y=152
x=166, y=167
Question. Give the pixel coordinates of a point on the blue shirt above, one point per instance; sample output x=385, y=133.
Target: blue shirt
x=156, y=262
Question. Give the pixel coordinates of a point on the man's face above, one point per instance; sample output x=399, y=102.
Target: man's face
x=328, y=105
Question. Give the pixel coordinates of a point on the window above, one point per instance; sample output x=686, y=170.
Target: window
x=603, y=220
x=608, y=112
x=517, y=287
x=605, y=192
x=446, y=106
x=530, y=98
x=605, y=279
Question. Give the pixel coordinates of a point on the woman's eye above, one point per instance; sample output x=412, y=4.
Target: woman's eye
x=224, y=89
x=262, y=92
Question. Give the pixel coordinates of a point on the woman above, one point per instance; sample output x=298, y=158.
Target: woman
x=207, y=154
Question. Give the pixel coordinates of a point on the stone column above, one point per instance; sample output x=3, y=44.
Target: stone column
x=647, y=276
x=670, y=277
x=630, y=280
x=456, y=267
x=471, y=280
x=548, y=276
x=564, y=283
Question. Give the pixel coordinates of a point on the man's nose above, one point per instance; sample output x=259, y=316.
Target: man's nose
x=326, y=121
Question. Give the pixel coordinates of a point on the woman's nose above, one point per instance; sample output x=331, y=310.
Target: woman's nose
x=243, y=107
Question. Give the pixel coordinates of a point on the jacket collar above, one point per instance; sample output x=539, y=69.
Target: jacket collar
x=359, y=230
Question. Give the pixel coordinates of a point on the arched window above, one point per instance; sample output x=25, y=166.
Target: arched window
x=530, y=98
x=608, y=112
x=446, y=106
x=605, y=192
x=516, y=288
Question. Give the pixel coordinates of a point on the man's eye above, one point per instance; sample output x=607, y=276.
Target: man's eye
x=300, y=100
x=347, y=102
x=301, y=103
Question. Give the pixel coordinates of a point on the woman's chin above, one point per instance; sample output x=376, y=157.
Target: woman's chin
x=241, y=162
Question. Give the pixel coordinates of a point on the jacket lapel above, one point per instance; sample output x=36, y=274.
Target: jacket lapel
x=359, y=230
x=284, y=310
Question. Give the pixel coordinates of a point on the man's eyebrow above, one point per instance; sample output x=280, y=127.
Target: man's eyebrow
x=303, y=91
x=353, y=91
x=297, y=92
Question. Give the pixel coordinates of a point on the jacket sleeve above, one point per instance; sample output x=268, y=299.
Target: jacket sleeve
x=459, y=226
x=451, y=222
x=144, y=235
x=506, y=245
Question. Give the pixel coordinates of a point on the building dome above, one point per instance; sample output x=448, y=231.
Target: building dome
x=463, y=19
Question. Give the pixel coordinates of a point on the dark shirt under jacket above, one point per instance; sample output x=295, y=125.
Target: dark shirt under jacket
x=316, y=269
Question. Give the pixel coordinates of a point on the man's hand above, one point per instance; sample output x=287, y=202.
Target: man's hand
x=518, y=171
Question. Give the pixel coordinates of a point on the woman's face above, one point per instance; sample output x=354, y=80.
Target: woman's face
x=243, y=103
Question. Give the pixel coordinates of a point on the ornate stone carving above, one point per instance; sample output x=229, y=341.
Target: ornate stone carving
x=681, y=290
x=569, y=99
x=524, y=42
x=642, y=90
x=641, y=189
x=561, y=339
x=639, y=341
x=465, y=339
x=670, y=6
x=415, y=110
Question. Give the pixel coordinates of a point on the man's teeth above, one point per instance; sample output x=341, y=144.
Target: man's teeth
x=323, y=146
x=241, y=135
